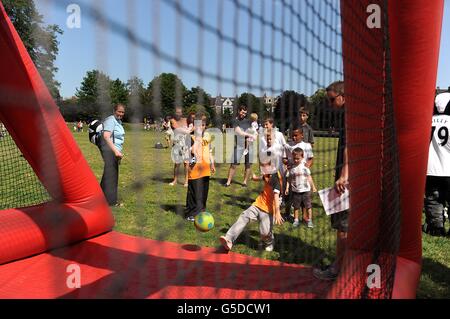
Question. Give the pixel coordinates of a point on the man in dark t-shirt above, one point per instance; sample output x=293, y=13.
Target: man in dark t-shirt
x=339, y=221
x=240, y=124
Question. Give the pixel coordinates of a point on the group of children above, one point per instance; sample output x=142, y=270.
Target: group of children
x=285, y=171
x=287, y=179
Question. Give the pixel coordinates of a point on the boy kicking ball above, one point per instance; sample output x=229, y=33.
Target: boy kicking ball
x=265, y=210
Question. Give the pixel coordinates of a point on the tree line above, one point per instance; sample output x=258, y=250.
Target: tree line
x=98, y=93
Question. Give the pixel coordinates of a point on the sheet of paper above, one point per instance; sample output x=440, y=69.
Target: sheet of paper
x=333, y=202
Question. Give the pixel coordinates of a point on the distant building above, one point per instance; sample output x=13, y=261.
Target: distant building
x=223, y=103
x=269, y=100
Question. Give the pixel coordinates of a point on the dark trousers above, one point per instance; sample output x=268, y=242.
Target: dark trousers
x=110, y=178
x=437, y=196
x=197, y=195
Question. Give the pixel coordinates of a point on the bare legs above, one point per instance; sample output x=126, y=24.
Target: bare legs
x=232, y=172
x=175, y=174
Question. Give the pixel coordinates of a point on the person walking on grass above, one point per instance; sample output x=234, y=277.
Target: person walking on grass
x=240, y=124
x=111, y=148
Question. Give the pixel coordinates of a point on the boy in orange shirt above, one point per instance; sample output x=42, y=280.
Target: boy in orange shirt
x=265, y=209
x=200, y=169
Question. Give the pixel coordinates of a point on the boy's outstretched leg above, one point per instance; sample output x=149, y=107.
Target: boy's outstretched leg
x=233, y=233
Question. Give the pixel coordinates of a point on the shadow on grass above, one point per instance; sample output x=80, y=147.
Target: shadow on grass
x=291, y=250
x=242, y=202
x=439, y=273
x=173, y=208
x=161, y=179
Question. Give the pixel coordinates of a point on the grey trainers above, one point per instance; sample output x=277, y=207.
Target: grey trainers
x=269, y=247
x=296, y=223
x=310, y=224
x=329, y=273
x=226, y=243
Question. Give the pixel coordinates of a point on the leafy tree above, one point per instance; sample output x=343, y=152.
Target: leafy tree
x=70, y=110
x=163, y=93
x=197, y=96
x=287, y=109
x=40, y=41
x=227, y=117
x=319, y=111
x=119, y=92
x=94, y=95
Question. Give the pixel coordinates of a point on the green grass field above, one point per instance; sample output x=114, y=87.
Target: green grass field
x=154, y=209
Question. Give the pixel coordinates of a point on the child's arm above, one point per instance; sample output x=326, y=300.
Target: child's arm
x=278, y=220
x=256, y=178
x=311, y=183
x=288, y=183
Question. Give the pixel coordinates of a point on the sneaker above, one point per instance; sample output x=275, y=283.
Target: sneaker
x=329, y=273
x=190, y=218
x=226, y=243
x=296, y=223
x=269, y=247
x=310, y=224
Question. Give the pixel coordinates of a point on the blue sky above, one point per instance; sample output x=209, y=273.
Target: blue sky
x=275, y=62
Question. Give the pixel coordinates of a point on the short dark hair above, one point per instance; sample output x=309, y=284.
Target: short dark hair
x=297, y=128
x=304, y=110
x=298, y=150
x=337, y=87
x=268, y=119
x=242, y=107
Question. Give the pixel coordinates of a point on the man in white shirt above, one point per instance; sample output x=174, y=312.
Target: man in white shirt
x=437, y=189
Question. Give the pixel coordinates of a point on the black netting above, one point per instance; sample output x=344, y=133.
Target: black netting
x=19, y=186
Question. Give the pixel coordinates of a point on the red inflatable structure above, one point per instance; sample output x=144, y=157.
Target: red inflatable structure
x=393, y=67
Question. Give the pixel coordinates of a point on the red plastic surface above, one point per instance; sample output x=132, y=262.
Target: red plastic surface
x=78, y=209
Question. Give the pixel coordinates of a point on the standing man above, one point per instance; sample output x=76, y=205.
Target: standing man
x=339, y=221
x=111, y=148
x=240, y=124
x=437, y=188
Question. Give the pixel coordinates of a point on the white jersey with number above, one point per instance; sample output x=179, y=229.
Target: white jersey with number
x=439, y=152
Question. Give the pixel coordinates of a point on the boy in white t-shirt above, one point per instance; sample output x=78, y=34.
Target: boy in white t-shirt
x=300, y=184
x=296, y=142
x=278, y=144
